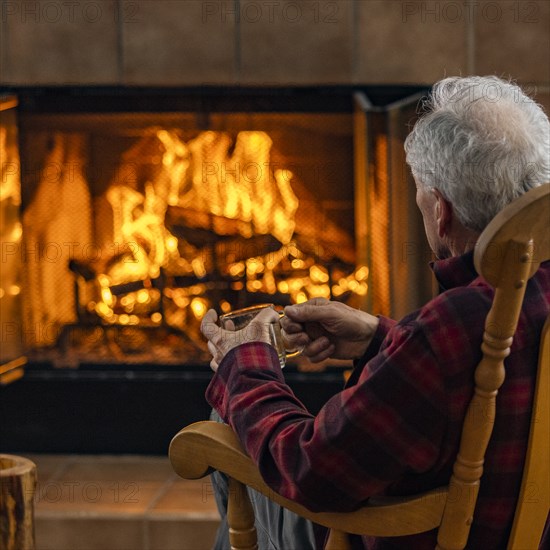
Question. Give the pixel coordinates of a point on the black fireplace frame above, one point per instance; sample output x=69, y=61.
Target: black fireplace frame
x=204, y=99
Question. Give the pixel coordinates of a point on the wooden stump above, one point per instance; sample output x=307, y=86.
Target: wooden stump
x=17, y=486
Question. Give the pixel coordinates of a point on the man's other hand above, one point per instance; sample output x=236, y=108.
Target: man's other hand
x=328, y=329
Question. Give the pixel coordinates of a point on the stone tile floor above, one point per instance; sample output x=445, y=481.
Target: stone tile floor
x=120, y=503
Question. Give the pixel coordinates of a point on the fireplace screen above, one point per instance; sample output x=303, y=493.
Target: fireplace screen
x=135, y=222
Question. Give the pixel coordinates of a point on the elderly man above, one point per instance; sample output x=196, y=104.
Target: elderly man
x=395, y=428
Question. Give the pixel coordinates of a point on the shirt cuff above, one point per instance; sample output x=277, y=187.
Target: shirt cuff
x=259, y=357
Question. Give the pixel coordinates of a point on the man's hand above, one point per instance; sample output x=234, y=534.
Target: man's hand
x=221, y=341
x=328, y=329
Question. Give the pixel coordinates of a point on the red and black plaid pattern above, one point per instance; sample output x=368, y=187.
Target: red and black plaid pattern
x=395, y=428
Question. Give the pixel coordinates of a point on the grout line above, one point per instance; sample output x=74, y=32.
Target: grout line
x=61, y=469
x=471, y=43
x=238, y=46
x=120, y=41
x=4, y=46
x=355, y=43
x=146, y=536
x=161, y=491
x=86, y=514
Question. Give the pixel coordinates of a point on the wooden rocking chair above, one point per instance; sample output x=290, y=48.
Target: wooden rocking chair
x=508, y=253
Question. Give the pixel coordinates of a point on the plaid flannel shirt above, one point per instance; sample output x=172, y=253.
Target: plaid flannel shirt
x=395, y=428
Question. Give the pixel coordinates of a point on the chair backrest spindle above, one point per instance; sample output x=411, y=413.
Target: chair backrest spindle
x=478, y=425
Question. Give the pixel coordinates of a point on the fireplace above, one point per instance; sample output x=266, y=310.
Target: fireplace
x=142, y=208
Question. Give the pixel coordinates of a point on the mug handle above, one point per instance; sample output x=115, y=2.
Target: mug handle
x=289, y=353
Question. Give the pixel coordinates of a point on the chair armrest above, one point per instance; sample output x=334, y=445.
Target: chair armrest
x=202, y=447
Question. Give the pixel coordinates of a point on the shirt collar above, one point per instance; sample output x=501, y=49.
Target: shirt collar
x=456, y=271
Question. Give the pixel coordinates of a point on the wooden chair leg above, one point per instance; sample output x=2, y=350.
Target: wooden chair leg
x=17, y=486
x=337, y=540
x=240, y=518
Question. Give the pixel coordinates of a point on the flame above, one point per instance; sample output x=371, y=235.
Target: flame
x=9, y=171
x=203, y=176
x=241, y=186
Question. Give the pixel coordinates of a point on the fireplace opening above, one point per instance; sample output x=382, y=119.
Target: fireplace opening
x=142, y=209
x=126, y=213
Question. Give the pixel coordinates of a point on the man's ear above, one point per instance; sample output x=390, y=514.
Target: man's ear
x=443, y=213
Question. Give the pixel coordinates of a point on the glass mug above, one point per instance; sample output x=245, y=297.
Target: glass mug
x=240, y=318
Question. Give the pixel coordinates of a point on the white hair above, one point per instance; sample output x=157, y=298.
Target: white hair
x=482, y=143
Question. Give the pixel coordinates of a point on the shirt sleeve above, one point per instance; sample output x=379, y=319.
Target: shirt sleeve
x=385, y=324
x=366, y=438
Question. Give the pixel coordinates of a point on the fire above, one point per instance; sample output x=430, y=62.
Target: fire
x=225, y=190
x=242, y=185
x=213, y=181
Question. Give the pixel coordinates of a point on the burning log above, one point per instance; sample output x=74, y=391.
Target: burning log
x=200, y=228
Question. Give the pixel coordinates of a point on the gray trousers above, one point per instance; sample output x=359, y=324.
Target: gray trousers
x=277, y=528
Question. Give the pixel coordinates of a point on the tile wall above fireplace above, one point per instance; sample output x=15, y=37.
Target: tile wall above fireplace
x=272, y=42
